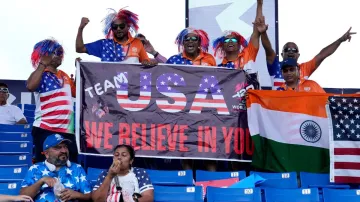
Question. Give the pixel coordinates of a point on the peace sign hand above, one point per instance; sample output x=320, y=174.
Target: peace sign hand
x=347, y=35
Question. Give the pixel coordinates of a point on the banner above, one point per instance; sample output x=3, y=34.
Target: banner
x=166, y=111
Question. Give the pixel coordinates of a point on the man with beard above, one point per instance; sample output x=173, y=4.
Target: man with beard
x=293, y=82
x=53, y=90
x=56, y=178
x=291, y=50
x=193, y=46
x=119, y=44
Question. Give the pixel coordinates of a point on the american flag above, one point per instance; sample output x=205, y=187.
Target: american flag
x=145, y=93
x=344, y=113
x=55, y=110
x=209, y=85
x=275, y=74
x=167, y=84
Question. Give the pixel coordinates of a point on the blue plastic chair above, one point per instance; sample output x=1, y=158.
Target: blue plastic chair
x=29, y=107
x=10, y=188
x=336, y=195
x=233, y=194
x=29, y=113
x=93, y=174
x=30, y=120
x=317, y=180
x=202, y=175
x=13, y=173
x=15, y=160
x=278, y=180
x=16, y=147
x=15, y=128
x=20, y=136
x=178, y=194
x=293, y=195
x=171, y=178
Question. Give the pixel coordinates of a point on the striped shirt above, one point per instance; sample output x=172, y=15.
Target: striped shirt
x=54, y=108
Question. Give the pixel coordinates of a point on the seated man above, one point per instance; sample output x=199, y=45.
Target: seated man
x=9, y=114
x=41, y=178
x=291, y=72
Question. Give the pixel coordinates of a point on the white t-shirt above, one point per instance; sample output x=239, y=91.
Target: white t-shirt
x=10, y=114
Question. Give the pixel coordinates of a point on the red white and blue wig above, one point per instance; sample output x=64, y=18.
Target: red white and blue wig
x=219, y=42
x=130, y=18
x=44, y=48
x=203, y=36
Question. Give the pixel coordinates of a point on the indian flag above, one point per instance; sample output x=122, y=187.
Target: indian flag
x=290, y=130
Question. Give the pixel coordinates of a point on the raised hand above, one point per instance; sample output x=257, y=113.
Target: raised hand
x=347, y=35
x=84, y=22
x=260, y=24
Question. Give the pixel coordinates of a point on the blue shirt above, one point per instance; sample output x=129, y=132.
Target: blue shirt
x=204, y=59
x=73, y=177
x=274, y=70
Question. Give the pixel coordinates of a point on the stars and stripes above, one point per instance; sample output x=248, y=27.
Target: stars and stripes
x=136, y=181
x=168, y=84
x=209, y=85
x=344, y=113
x=145, y=93
x=179, y=59
x=73, y=177
x=112, y=51
x=54, y=107
x=274, y=70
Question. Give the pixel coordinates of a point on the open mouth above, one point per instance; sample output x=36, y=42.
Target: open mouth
x=190, y=47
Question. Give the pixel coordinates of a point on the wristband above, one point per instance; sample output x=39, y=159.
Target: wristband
x=156, y=54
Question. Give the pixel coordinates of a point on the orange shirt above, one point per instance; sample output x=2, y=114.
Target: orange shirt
x=304, y=86
x=136, y=48
x=307, y=68
x=244, y=60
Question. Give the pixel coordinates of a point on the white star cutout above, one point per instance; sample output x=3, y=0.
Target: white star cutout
x=83, y=178
x=175, y=83
x=169, y=88
x=332, y=99
x=350, y=105
x=340, y=112
x=356, y=108
x=344, y=100
x=341, y=121
x=357, y=135
x=145, y=87
x=337, y=126
x=182, y=78
x=336, y=116
x=338, y=135
x=43, y=195
x=206, y=90
x=352, y=121
x=357, y=116
x=339, y=104
x=346, y=116
x=352, y=131
x=348, y=136
x=77, y=179
x=145, y=77
x=343, y=131
x=45, y=172
x=347, y=126
x=212, y=85
x=169, y=78
x=351, y=111
x=355, y=100
x=218, y=90
x=357, y=126
x=68, y=184
x=162, y=83
x=68, y=171
x=206, y=80
x=33, y=167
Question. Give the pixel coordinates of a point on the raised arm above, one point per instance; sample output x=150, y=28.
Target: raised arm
x=80, y=46
x=330, y=49
x=255, y=36
x=34, y=79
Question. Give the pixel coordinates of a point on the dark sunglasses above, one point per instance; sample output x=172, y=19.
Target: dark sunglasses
x=115, y=26
x=288, y=69
x=291, y=50
x=191, y=38
x=4, y=90
x=231, y=40
x=58, y=52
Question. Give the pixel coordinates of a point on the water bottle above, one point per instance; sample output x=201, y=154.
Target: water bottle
x=58, y=188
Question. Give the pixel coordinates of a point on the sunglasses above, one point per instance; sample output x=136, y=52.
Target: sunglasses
x=231, y=40
x=4, y=90
x=115, y=26
x=291, y=50
x=191, y=38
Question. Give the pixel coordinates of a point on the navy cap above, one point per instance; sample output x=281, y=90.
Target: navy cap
x=54, y=140
x=289, y=62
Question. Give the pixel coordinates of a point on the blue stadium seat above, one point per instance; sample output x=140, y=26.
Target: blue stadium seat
x=336, y=195
x=278, y=180
x=171, y=178
x=202, y=175
x=178, y=194
x=293, y=195
x=16, y=147
x=29, y=113
x=10, y=188
x=19, y=136
x=93, y=174
x=15, y=160
x=29, y=107
x=317, y=180
x=15, y=128
x=13, y=173
x=233, y=194
x=30, y=120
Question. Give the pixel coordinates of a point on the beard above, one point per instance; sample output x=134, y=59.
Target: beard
x=57, y=161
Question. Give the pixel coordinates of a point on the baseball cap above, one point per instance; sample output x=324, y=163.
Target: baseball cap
x=289, y=62
x=54, y=140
